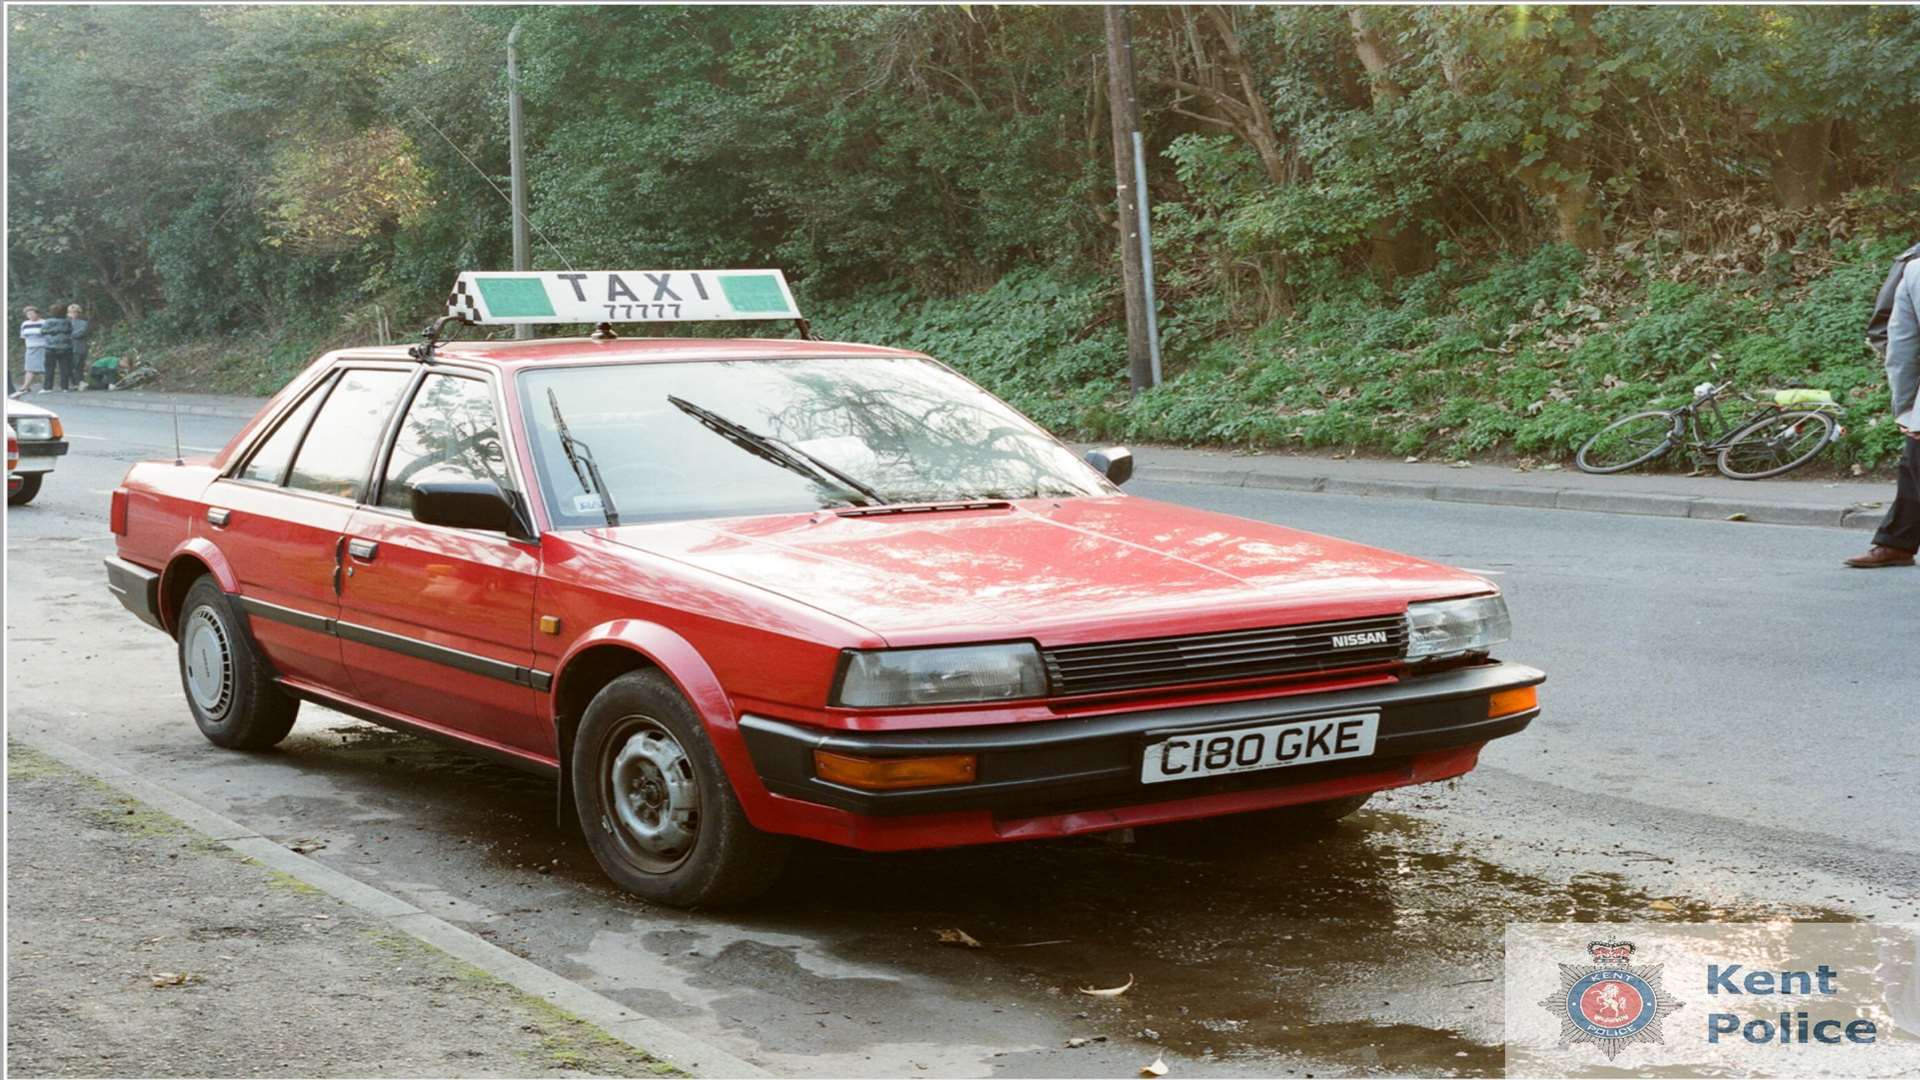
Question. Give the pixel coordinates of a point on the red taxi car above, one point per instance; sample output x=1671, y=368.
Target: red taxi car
x=728, y=592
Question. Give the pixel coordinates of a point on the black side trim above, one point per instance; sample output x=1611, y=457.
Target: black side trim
x=138, y=589
x=374, y=716
x=1095, y=761
x=400, y=643
x=421, y=650
x=290, y=616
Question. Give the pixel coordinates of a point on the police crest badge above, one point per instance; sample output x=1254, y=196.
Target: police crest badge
x=1611, y=1002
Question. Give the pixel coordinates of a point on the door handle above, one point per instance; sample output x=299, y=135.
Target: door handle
x=364, y=550
x=217, y=516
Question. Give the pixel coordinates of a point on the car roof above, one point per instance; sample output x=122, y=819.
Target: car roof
x=514, y=355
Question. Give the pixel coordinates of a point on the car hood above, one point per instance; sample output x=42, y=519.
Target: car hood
x=24, y=408
x=1059, y=572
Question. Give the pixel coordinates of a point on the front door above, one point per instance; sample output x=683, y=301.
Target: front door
x=436, y=623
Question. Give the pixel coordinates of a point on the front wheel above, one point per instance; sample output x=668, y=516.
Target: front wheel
x=1776, y=444
x=657, y=809
x=229, y=690
x=29, y=487
x=1629, y=441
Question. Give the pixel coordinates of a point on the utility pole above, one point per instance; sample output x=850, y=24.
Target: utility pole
x=516, y=153
x=1126, y=120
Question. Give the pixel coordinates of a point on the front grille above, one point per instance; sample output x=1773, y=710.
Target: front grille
x=1110, y=666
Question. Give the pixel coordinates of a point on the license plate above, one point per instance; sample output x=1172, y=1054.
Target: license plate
x=1262, y=746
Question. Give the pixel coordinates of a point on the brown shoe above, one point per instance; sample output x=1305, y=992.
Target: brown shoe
x=1879, y=556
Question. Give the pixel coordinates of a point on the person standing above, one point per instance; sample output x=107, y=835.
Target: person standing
x=33, y=336
x=1899, y=535
x=81, y=327
x=59, y=334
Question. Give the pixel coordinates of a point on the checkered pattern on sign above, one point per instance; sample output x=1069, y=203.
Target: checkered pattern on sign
x=462, y=304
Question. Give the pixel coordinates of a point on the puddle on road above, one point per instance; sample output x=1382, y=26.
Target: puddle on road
x=1370, y=946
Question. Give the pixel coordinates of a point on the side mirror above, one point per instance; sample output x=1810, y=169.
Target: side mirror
x=478, y=504
x=1115, y=463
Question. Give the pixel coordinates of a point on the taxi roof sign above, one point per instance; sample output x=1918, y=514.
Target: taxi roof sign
x=485, y=297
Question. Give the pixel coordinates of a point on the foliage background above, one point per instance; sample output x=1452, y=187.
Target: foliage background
x=1434, y=231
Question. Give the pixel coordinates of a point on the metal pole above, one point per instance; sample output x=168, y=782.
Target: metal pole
x=1146, y=252
x=516, y=152
x=1125, y=109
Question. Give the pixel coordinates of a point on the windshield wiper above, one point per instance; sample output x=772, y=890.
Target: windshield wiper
x=783, y=454
x=581, y=458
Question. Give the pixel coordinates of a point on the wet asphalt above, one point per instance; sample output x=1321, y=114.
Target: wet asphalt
x=1731, y=731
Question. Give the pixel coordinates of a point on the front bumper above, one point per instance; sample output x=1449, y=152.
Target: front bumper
x=1072, y=765
x=37, y=456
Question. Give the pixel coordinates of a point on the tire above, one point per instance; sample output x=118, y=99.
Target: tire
x=1646, y=435
x=1776, y=444
x=655, y=806
x=230, y=690
x=29, y=487
x=1250, y=833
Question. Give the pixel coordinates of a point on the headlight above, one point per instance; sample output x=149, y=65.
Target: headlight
x=1446, y=628
x=941, y=676
x=33, y=428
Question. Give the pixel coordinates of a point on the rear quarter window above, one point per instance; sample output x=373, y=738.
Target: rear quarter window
x=337, y=453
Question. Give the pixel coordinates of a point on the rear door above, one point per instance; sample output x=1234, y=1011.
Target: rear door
x=280, y=517
x=437, y=623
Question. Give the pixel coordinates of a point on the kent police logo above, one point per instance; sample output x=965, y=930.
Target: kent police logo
x=1610, y=1003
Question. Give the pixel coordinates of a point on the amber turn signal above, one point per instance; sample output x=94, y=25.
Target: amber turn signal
x=889, y=774
x=1517, y=700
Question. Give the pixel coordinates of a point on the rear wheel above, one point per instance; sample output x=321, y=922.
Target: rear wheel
x=1777, y=444
x=1629, y=441
x=657, y=809
x=29, y=487
x=229, y=688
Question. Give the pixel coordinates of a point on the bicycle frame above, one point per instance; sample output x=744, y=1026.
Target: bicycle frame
x=1697, y=441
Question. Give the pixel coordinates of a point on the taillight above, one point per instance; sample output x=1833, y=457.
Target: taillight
x=117, y=515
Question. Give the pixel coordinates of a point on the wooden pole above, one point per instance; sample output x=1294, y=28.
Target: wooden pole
x=1126, y=121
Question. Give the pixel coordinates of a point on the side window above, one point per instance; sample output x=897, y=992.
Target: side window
x=338, y=449
x=449, y=434
x=269, y=463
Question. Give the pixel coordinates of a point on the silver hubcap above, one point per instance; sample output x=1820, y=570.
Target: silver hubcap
x=209, y=662
x=654, y=793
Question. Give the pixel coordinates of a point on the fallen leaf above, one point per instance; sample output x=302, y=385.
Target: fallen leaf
x=1664, y=905
x=1736, y=517
x=170, y=978
x=1461, y=465
x=957, y=937
x=1111, y=991
x=301, y=847
x=1158, y=1068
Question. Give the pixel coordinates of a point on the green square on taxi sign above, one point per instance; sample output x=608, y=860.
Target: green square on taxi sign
x=754, y=292
x=514, y=297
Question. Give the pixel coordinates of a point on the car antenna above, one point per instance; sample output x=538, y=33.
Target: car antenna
x=430, y=337
x=178, y=459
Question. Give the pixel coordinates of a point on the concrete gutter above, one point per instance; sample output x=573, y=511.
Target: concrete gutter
x=1768, y=504
x=689, y=1053
x=233, y=407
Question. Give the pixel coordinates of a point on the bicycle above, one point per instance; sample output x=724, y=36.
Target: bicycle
x=1782, y=433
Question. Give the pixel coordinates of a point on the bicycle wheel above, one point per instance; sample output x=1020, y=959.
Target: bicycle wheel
x=1776, y=444
x=1630, y=441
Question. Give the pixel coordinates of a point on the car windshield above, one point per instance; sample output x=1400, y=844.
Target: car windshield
x=742, y=437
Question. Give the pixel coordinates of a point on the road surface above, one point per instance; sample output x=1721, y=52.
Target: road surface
x=1731, y=730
